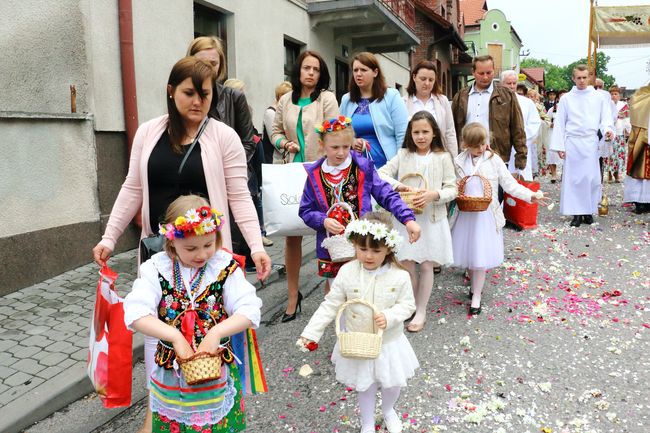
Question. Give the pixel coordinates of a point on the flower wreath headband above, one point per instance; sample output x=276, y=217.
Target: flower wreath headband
x=335, y=124
x=378, y=230
x=197, y=222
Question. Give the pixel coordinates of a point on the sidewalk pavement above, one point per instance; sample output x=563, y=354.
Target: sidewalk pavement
x=44, y=337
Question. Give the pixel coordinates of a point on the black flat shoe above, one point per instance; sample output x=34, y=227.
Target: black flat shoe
x=289, y=317
x=475, y=311
x=575, y=222
x=587, y=219
x=553, y=180
x=437, y=270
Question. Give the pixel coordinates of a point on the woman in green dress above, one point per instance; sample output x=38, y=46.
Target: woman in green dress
x=295, y=139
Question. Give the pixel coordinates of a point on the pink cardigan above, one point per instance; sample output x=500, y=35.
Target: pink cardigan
x=224, y=166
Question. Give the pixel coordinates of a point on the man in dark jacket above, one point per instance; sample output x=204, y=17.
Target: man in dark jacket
x=496, y=107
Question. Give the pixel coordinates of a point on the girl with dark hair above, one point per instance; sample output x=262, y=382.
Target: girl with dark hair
x=295, y=139
x=425, y=93
x=423, y=152
x=379, y=116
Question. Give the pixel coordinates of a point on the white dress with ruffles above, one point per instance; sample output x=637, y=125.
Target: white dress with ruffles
x=389, y=289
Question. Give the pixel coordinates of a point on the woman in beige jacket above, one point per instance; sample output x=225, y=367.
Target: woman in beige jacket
x=295, y=139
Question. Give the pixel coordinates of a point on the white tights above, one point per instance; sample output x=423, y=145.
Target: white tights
x=478, y=281
x=422, y=286
x=367, y=401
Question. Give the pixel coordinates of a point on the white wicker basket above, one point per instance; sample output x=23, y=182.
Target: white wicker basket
x=358, y=345
x=339, y=247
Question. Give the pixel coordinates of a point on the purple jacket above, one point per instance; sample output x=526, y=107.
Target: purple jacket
x=314, y=207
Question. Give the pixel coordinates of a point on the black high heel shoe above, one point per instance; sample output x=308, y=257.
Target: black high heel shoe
x=289, y=317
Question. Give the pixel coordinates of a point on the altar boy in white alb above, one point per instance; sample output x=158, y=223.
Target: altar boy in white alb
x=581, y=114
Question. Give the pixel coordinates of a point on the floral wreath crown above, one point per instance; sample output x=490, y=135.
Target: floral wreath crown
x=378, y=230
x=196, y=222
x=335, y=124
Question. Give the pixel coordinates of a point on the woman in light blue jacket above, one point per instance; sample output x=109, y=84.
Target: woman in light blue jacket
x=378, y=113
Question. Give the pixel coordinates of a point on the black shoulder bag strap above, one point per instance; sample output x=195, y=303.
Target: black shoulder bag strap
x=196, y=139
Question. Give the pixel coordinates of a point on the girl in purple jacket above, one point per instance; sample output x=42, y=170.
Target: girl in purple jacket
x=344, y=176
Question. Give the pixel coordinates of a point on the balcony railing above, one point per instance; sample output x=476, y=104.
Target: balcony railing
x=403, y=9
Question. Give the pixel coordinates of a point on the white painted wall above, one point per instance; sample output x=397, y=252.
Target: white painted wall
x=256, y=32
x=396, y=69
x=162, y=31
x=43, y=52
x=50, y=179
x=103, y=42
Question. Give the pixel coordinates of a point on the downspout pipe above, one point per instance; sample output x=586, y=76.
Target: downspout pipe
x=127, y=63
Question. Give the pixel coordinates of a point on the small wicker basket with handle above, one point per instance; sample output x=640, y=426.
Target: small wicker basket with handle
x=409, y=196
x=470, y=203
x=338, y=246
x=201, y=367
x=358, y=345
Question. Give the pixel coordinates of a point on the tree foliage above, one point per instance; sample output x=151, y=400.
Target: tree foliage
x=601, y=68
x=559, y=77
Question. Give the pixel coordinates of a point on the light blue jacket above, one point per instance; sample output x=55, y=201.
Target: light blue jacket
x=389, y=117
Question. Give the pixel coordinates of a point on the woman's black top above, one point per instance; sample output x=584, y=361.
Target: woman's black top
x=165, y=184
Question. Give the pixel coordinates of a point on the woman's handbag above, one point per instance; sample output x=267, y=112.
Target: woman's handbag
x=358, y=345
x=282, y=187
x=155, y=243
x=110, y=345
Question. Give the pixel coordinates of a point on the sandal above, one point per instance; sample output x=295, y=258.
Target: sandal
x=415, y=327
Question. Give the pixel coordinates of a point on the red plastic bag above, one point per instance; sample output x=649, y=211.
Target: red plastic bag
x=521, y=213
x=110, y=347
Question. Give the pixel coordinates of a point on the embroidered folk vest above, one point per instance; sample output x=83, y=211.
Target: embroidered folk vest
x=209, y=308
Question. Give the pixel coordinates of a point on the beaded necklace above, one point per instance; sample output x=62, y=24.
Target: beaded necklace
x=195, y=281
x=335, y=181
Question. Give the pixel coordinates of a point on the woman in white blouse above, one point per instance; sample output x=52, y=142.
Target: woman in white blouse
x=425, y=93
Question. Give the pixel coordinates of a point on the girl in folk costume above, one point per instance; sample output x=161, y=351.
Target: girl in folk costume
x=376, y=277
x=617, y=161
x=342, y=176
x=423, y=152
x=195, y=299
x=478, y=236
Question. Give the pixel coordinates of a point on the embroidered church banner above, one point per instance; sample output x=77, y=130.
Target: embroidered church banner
x=621, y=26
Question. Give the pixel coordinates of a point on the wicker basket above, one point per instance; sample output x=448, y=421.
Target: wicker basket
x=474, y=204
x=339, y=247
x=201, y=367
x=409, y=196
x=358, y=345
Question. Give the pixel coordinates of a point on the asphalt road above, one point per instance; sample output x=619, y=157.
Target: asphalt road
x=562, y=346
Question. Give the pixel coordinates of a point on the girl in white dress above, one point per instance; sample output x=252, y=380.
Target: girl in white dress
x=423, y=152
x=552, y=158
x=377, y=277
x=478, y=236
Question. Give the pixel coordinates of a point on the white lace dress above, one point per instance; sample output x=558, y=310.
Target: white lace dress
x=435, y=238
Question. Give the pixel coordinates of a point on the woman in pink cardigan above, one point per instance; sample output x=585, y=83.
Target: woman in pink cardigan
x=216, y=169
